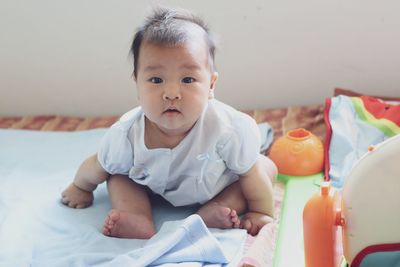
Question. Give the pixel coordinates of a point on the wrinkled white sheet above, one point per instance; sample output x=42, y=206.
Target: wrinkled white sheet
x=37, y=230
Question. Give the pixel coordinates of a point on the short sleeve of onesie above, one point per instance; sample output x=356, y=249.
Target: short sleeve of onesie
x=115, y=153
x=242, y=147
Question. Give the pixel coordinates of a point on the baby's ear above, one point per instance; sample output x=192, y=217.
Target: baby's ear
x=214, y=78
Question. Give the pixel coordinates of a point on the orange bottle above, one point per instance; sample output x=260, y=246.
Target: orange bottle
x=319, y=219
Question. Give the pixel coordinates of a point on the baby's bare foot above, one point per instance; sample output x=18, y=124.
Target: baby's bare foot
x=128, y=225
x=74, y=197
x=215, y=215
x=254, y=221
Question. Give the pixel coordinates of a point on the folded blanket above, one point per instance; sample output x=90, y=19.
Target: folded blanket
x=353, y=125
x=37, y=230
x=186, y=241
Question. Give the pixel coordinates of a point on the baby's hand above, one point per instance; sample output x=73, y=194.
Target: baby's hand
x=254, y=221
x=74, y=197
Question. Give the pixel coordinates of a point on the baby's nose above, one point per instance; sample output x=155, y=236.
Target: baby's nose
x=172, y=93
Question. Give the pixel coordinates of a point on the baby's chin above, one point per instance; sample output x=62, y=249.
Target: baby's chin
x=177, y=128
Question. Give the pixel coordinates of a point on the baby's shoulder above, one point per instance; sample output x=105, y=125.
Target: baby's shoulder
x=228, y=125
x=228, y=118
x=128, y=119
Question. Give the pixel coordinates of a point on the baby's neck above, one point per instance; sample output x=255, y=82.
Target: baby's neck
x=154, y=137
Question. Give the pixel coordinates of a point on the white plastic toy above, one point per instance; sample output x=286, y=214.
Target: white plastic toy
x=369, y=216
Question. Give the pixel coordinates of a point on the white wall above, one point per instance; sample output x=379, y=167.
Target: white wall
x=70, y=57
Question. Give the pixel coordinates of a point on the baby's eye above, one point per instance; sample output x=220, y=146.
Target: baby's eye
x=155, y=80
x=188, y=80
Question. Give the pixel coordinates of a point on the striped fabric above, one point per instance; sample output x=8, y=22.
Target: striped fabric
x=281, y=120
x=382, y=115
x=353, y=125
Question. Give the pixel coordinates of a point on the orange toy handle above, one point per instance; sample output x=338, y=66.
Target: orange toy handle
x=319, y=228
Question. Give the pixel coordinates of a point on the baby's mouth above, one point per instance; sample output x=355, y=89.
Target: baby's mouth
x=171, y=110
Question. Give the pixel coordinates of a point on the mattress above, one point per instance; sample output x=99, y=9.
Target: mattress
x=256, y=251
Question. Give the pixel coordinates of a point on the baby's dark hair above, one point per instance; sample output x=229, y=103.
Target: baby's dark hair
x=166, y=26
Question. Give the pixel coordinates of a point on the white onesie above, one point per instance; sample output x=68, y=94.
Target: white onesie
x=223, y=144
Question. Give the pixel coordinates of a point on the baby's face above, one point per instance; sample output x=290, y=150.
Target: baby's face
x=174, y=84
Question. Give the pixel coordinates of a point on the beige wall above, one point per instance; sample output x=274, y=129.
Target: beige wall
x=70, y=57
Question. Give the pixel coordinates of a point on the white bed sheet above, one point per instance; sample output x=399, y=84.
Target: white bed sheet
x=37, y=230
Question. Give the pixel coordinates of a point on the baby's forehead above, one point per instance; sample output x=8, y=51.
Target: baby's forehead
x=190, y=56
x=191, y=49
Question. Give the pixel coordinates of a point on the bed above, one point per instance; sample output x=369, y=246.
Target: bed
x=40, y=154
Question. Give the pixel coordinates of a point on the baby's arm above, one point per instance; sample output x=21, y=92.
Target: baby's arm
x=256, y=185
x=79, y=194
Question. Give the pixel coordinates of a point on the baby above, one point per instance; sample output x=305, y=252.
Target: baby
x=180, y=143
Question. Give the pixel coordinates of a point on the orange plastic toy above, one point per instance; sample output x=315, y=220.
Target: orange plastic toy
x=319, y=228
x=298, y=153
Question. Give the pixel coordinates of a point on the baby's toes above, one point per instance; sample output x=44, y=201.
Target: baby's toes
x=225, y=212
x=236, y=223
x=233, y=214
x=246, y=224
x=253, y=230
x=234, y=219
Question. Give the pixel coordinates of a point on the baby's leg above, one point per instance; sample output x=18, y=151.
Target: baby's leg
x=257, y=189
x=131, y=215
x=224, y=209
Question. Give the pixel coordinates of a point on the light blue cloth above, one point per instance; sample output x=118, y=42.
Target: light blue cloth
x=267, y=136
x=37, y=230
x=350, y=139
